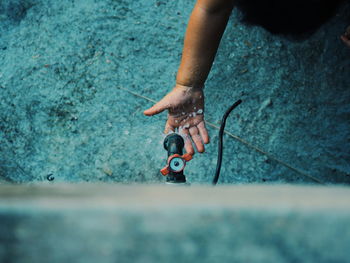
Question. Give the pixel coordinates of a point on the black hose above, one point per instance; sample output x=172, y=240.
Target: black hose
x=220, y=144
x=50, y=177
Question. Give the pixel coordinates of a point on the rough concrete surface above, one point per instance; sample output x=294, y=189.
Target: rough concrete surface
x=176, y=224
x=62, y=112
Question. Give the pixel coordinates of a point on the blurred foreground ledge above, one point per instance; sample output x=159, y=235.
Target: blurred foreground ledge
x=159, y=223
x=165, y=197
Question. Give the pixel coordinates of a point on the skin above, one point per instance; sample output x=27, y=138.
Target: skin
x=205, y=29
x=346, y=37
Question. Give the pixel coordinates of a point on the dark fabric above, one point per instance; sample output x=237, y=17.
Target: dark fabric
x=296, y=18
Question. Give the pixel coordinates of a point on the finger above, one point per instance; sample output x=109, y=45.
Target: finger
x=345, y=40
x=347, y=32
x=188, y=143
x=157, y=108
x=168, y=128
x=203, y=132
x=197, y=139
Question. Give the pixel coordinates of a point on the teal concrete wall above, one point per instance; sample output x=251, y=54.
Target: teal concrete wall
x=62, y=111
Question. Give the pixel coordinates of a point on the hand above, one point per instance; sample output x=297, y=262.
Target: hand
x=186, y=108
x=346, y=37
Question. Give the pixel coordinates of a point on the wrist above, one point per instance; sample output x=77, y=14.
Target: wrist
x=189, y=87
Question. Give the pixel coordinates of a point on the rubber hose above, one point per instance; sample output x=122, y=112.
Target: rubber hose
x=220, y=144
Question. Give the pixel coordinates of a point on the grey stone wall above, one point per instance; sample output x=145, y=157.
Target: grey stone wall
x=63, y=112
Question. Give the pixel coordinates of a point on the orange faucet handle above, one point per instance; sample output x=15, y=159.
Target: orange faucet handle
x=187, y=157
x=165, y=171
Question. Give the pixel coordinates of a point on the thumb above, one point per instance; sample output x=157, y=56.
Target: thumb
x=157, y=108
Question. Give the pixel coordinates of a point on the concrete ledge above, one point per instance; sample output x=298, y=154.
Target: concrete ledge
x=104, y=223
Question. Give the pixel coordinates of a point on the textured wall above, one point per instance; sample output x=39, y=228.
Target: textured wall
x=62, y=112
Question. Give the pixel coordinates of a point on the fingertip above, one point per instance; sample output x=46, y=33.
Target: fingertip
x=168, y=128
x=201, y=150
x=198, y=143
x=191, y=151
x=203, y=133
x=206, y=140
x=200, y=147
x=152, y=111
x=189, y=148
x=146, y=112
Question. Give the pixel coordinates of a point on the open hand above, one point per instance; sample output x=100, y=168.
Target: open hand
x=186, y=108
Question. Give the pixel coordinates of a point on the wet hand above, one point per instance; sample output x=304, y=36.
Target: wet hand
x=346, y=37
x=186, y=113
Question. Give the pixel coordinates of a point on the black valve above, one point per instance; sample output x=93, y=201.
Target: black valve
x=176, y=163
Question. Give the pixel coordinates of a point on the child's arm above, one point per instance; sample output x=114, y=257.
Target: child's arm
x=203, y=35
x=186, y=101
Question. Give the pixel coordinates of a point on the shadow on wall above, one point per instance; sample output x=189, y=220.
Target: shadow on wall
x=279, y=17
x=15, y=11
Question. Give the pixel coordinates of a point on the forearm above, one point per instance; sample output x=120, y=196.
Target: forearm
x=203, y=35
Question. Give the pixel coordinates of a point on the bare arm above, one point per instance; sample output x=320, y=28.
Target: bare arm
x=205, y=29
x=185, y=102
